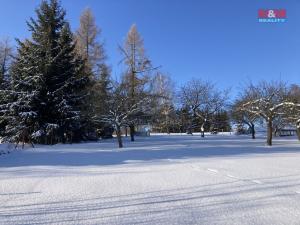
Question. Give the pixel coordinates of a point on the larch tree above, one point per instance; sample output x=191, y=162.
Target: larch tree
x=91, y=49
x=87, y=42
x=138, y=67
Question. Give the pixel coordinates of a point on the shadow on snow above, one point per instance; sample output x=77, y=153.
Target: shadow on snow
x=145, y=149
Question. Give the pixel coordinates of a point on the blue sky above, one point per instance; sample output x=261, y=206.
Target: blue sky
x=221, y=41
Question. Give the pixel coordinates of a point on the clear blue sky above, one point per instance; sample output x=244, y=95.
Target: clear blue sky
x=221, y=41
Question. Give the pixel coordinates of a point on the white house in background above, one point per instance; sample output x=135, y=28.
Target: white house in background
x=143, y=130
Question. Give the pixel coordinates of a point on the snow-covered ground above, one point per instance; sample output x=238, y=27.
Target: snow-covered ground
x=177, y=179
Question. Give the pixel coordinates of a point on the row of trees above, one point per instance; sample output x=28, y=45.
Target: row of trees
x=56, y=87
x=273, y=103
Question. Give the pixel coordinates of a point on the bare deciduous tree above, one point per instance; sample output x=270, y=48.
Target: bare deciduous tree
x=244, y=117
x=163, y=91
x=203, y=100
x=269, y=100
x=120, y=110
x=6, y=52
x=293, y=115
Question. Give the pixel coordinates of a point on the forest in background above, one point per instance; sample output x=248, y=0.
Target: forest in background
x=56, y=87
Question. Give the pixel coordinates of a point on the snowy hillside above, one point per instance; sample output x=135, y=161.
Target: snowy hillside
x=178, y=179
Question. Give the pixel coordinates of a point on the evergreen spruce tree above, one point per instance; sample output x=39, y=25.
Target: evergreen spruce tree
x=6, y=55
x=101, y=96
x=20, y=105
x=47, y=81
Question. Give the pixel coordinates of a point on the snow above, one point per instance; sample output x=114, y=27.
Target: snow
x=162, y=179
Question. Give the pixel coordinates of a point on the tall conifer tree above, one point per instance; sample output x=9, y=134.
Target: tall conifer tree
x=48, y=74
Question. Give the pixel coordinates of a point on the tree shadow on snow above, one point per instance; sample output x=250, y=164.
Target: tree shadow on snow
x=206, y=201
x=146, y=149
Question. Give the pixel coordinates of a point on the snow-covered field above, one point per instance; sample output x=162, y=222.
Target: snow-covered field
x=161, y=179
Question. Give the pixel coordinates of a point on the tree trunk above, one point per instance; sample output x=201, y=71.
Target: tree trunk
x=202, y=130
x=298, y=130
x=298, y=133
x=168, y=124
x=132, y=132
x=119, y=137
x=252, y=130
x=269, y=132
